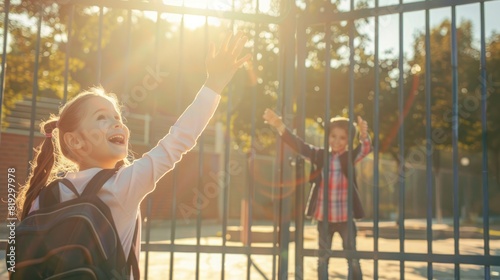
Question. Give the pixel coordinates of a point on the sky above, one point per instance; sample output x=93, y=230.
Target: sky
x=415, y=21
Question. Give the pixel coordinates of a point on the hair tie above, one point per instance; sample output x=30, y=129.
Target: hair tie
x=48, y=135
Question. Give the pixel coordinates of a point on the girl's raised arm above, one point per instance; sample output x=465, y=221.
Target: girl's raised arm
x=138, y=179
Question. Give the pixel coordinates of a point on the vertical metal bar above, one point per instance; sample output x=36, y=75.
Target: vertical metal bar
x=285, y=91
x=484, y=142
x=175, y=180
x=301, y=115
x=376, y=147
x=326, y=163
x=4, y=57
x=128, y=51
x=287, y=50
x=227, y=178
x=250, y=189
x=147, y=236
x=35, y=85
x=429, y=144
x=251, y=161
x=68, y=54
x=150, y=197
x=350, y=132
x=99, y=44
x=201, y=154
x=227, y=181
x=402, y=192
x=278, y=210
x=278, y=177
x=201, y=142
x=280, y=105
x=454, y=139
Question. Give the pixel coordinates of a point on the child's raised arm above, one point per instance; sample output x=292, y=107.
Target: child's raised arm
x=294, y=142
x=363, y=128
x=274, y=120
x=222, y=64
x=140, y=177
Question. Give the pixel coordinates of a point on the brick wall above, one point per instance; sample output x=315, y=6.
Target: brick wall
x=13, y=154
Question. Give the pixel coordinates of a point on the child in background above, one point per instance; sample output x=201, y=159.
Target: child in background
x=337, y=220
x=88, y=135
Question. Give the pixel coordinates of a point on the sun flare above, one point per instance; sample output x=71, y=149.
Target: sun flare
x=197, y=21
x=193, y=21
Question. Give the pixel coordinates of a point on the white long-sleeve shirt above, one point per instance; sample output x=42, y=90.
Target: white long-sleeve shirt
x=124, y=191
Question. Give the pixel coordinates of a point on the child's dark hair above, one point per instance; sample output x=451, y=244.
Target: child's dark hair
x=52, y=157
x=343, y=123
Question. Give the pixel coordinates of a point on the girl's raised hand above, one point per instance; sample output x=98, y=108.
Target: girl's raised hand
x=223, y=63
x=363, y=128
x=272, y=118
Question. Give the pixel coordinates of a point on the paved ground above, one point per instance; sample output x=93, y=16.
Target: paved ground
x=236, y=265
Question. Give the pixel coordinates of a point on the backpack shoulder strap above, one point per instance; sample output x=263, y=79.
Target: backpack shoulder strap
x=67, y=183
x=50, y=195
x=95, y=184
x=132, y=258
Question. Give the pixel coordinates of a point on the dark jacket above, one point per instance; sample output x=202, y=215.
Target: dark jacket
x=316, y=156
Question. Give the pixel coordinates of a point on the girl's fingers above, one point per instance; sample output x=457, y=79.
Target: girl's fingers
x=242, y=60
x=239, y=45
x=362, y=123
x=232, y=46
x=269, y=115
x=225, y=43
x=233, y=43
x=363, y=126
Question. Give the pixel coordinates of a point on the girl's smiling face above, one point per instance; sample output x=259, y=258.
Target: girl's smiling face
x=101, y=139
x=338, y=139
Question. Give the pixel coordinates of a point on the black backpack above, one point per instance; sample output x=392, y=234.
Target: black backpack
x=75, y=239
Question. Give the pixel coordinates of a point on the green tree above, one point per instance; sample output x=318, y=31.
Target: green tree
x=267, y=53
x=22, y=34
x=469, y=98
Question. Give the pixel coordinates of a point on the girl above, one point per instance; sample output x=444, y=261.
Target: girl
x=88, y=135
x=337, y=220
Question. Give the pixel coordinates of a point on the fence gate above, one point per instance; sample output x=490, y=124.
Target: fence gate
x=232, y=208
x=368, y=57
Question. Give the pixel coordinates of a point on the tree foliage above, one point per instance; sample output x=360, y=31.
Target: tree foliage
x=21, y=56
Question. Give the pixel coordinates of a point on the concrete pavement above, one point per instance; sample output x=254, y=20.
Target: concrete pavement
x=262, y=266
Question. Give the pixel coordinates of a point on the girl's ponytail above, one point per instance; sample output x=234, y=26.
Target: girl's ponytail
x=41, y=170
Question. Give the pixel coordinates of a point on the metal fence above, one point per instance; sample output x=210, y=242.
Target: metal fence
x=329, y=17
x=293, y=83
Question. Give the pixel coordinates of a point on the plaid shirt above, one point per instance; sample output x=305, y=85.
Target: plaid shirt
x=338, y=187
